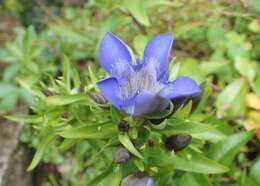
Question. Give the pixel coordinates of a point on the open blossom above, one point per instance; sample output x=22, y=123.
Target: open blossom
x=141, y=88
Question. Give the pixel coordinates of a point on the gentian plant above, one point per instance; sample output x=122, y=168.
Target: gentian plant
x=151, y=134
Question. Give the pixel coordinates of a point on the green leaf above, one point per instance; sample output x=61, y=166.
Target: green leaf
x=194, y=180
x=192, y=161
x=46, y=140
x=254, y=26
x=182, y=28
x=9, y=101
x=225, y=150
x=246, y=68
x=124, y=139
x=11, y=71
x=187, y=160
x=67, y=32
x=232, y=100
x=174, y=70
x=90, y=132
x=67, y=143
x=76, y=78
x=61, y=100
x=138, y=11
x=207, y=90
x=99, y=178
x=153, y=3
x=203, y=179
x=115, y=114
x=139, y=164
x=246, y=181
x=115, y=178
x=213, y=136
x=184, y=111
x=255, y=171
x=25, y=118
x=216, y=35
x=213, y=67
x=185, y=127
x=15, y=52
x=190, y=67
x=255, y=5
x=7, y=89
x=139, y=44
x=66, y=72
x=101, y=149
x=92, y=77
x=26, y=96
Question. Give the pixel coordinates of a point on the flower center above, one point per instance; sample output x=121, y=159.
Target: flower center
x=144, y=79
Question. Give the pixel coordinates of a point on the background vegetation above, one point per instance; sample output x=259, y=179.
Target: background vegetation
x=217, y=41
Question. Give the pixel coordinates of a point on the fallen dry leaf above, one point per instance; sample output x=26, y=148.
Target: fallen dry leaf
x=253, y=101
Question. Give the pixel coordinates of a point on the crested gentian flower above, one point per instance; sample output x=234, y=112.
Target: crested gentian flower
x=142, y=88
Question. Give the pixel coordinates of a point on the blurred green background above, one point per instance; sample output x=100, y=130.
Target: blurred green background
x=214, y=40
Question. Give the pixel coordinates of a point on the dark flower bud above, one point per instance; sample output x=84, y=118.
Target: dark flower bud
x=65, y=115
x=177, y=142
x=47, y=92
x=98, y=98
x=31, y=111
x=123, y=126
x=58, y=74
x=121, y=155
x=137, y=179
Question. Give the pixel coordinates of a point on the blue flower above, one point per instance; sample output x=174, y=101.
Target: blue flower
x=143, y=88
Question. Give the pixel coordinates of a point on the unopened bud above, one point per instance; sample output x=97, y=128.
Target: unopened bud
x=47, y=92
x=123, y=126
x=137, y=179
x=98, y=98
x=177, y=142
x=121, y=155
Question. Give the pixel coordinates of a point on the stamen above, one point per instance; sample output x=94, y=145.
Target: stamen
x=143, y=79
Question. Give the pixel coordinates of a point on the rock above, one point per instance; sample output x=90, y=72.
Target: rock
x=14, y=157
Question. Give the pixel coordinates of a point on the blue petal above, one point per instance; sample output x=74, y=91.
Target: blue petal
x=158, y=51
x=133, y=180
x=146, y=103
x=115, y=56
x=110, y=90
x=181, y=87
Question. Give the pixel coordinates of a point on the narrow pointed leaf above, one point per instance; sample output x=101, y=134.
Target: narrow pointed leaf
x=115, y=178
x=25, y=118
x=192, y=161
x=138, y=11
x=40, y=150
x=90, y=132
x=66, y=99
x=66, y=72
x=124, y=139
x=178, y=127
x=96, y=180
x=225, y=150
